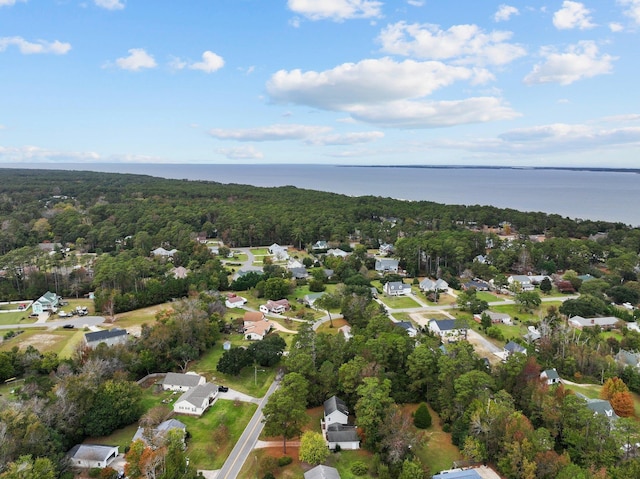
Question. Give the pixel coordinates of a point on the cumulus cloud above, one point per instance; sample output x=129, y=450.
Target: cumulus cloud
x=270, y=133
x=435, y=114
x=632, y=9
x=336, y=10
x=9, y=3
x=461, y=43
x=209, y=64
x=110, y=4
x=615, y=27
x=368, y=81
x=505, y=12
x=39, y=46
x=346, y=138
x=572, y=15
x=137, y=60
x=415, y=3
x=241, y=153
x=579, y=61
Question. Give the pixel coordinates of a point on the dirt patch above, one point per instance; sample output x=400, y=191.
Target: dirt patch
x=40, y=341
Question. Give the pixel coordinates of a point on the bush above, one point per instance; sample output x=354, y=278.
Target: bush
x=446, y=427
x=284, y=461
x=359, y=468
x=269, y=475
x=94, y=472
x=495, y=333
x=422, y=417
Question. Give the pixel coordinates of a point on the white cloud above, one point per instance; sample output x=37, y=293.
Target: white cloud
x=9, y=3
x=434, y=114
x=110, y=4
x=615, y=27
x=580, y=61
x=505, y=12
x=632, y=10
x=35, y=153
x=209, y=64
x=137, y=60
x=462, y=43
x=370, y=81
x=336, y=10
x=2, y=127
x=270, y=133
x=572, y=15
x=241, y=153
x=346, y=138
x=416, y=3
x=39, y=46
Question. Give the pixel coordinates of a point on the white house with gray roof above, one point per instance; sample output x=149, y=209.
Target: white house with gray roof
x=343, y=436
x=579, y=322
x=387, y=265
x=429, y=284
x=182, y=382
x=396, y=288
x=322, y=472
x=445, y=328
x=110, y=337
x=92, y=455
x=550, y=376
x=157, y=434
x=335, y=411
x=196, y=400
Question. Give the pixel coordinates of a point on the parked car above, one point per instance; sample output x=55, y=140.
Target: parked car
x=68, y=326
x=222, y=389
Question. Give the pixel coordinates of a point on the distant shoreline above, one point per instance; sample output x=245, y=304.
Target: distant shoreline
x=486, y=167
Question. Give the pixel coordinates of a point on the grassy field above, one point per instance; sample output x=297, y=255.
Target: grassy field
x=259, y=251
x=488, y=297
x=17, y=317
x=326, y=327
x=44, y=340
x=398, y=302
x=214, y=434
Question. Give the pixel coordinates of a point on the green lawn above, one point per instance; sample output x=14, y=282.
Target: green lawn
x=41, y=339
x=214, y=434
x=260, y=251
x=239, y=257
x=121, y=437
x=398, y=302
x=18, y=317
x=488, y=297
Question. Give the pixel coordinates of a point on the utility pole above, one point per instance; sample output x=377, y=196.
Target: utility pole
x=255, y=374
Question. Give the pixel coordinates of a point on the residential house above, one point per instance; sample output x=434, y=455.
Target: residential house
x=335, y=425
x=47, y=302
x=479, y=472
x=299, y=273
x=179, y=273
x=310, y=299
x=256, y=326
x=110, y=337
x=387, y=265
x=157, y=434
x=235, y=301
x=550, y=376
x=280, y=252
x=512, y=348
x=182, y=382
x=481, y=259
x=600, y=406
x=628, y=358
x=408, y=327
x=476, y=284
x=335, y=411
x=428, y=284
x=386, y=249
x=579, y=322
x=565, y=287
x=337, y=252
x=202, y=237
x=164, y=253
x=346, y=332
x=532, y=335
x=322, y=472
x=294, y=263
x=275, y=307
x=522, y=281
x=374, y=292
x=496, y=318
x=445, y=328
x=396, y=288
x=92, y=455
x=196, y=400
x=343, y=436
x=320, y=245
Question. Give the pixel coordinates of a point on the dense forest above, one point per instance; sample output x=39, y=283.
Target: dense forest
x=101, y=228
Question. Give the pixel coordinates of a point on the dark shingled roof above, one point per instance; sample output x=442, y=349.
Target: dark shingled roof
x=341, y=433
x=334, y=403
x=103, y=335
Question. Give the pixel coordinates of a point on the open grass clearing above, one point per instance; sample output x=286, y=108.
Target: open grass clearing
x=259, y=251
x=488, y=297
x=398, y=302
x=17, y=317
x=121, y=437
x=214, y=434
x=41, y=339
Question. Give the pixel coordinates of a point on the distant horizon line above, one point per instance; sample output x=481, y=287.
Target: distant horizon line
x=603, y=169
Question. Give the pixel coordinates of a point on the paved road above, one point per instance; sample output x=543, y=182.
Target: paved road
x=247, y=442
x=246, y=265
x=77, y=321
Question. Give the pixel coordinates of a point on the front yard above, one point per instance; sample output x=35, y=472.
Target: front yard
x=398, y=302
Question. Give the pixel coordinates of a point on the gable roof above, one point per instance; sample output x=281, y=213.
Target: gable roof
x=550, y=374
x=104, y=335
x=445, y=324
x=334, y=403
x=514, y=347
x=178, y=379
x=253, y=316
x=91, y=452
x=461, y=474
x=406, y=325
x=198, y=394
x=397, y=286
x=162, y=428
x=341, y=433
x=48, y=298
x=322, y=472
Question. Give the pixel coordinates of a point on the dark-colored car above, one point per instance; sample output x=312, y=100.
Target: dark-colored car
x=223, y=389
x=68, y=326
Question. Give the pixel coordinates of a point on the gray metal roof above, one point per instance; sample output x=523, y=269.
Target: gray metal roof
x=322, y=472
x=186, y=380
x=198, y=394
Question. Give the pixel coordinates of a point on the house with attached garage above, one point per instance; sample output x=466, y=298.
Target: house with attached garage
x=275, y=307
x=164, y=253
x=387, y=265
x=579, y=322
x=521, y=280
x=335, y=411
x=235, y=301
x=182, y=382
x=337, y=252
x=445, y=328
x=428, y=284
x=279, y=252
x=47, y=302
x=196, y=400
x=396, y=288
x=110, y=337
x=87, y=456
x=320, y=245
x=256, y=326
x=496, y=318
x=335, y=425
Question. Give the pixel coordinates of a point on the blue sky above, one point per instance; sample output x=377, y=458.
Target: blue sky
x=463, y=82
